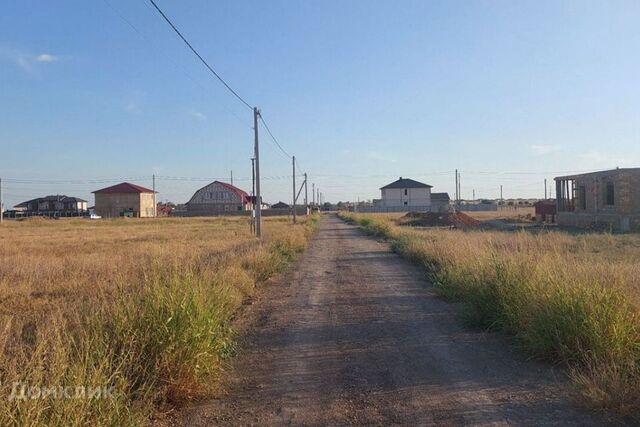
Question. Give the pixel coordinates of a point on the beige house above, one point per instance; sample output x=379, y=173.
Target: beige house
x=406, y=193
x=125, y=200
x=610, y=198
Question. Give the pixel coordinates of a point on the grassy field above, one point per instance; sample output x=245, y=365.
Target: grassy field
x=569, y=299
x=136, y=311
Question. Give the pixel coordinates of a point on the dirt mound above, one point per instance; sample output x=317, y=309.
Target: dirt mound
x=434, y=219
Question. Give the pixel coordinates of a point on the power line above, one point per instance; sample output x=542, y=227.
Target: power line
x=176, y=65
x=274, y=138
x=199, y=56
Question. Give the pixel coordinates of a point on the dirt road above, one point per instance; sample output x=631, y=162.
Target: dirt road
x=355, y=336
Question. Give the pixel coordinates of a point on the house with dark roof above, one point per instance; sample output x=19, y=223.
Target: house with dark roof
x=217, y=198
x=280, y=205
x=58, y=205
x=125, y=200
x=406, y=193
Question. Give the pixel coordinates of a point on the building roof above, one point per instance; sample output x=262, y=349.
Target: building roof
x=125, y=187
x=599, y=173
x=406, y=183
x=244, y=196
x=440, y=197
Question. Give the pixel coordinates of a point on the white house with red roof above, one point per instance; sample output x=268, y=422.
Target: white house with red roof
x=125, y=200
x=217, y=198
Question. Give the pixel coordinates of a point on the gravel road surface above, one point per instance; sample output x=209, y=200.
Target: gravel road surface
x=354, y=335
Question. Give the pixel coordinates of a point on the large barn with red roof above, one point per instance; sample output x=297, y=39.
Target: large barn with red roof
x=218, y=198
x=125, y=199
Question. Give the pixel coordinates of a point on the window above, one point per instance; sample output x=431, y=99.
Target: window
x=405, y=191
x=405, y=203
x=610, y=201
x=582, y=197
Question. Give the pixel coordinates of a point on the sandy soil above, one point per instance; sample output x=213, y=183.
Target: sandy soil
x=355, y=336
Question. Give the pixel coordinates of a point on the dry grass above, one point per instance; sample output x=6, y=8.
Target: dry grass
x=142, y=306
x=568, y=299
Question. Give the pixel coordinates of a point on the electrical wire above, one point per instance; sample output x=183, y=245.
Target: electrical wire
x=273, y=138
x=206, y=64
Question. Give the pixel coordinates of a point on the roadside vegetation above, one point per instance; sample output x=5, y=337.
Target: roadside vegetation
x=102, y=323
x=569, y=299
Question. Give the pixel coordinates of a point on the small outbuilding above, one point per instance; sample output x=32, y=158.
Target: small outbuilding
x=545, y=210
x=125, y=200
x=440, y=202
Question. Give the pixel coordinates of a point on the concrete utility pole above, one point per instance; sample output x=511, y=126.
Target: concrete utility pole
x=501, y=198
x=231, y=177
x=474, y=194
x=155, y=204
x=253, y=195
x=293, y=163
x=459, y=187
x=456, y=193
x=306, y=195
x=545, y=189
x=258, y=204
x=313, y=194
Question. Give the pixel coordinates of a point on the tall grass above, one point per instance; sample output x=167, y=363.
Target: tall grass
x=139, y=308
x=568, y=299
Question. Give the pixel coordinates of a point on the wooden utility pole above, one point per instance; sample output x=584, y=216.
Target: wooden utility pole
x=293, y=163
x=256, y=148
x=306, y=195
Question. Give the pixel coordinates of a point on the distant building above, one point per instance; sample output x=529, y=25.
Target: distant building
x=406, y=193
x=280, y=205
x=217, y=198
x=610, y=198
x=58, y=205
x=125, y=200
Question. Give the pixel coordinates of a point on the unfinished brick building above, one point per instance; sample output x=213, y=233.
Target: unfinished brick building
x=607, y=198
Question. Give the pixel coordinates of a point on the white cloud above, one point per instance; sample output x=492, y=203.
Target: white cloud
x=197, y=114
x=25, y=60
x=46, y=57
x=544, y=150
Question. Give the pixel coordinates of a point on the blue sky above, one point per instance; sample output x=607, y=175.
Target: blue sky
x=360, y=91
